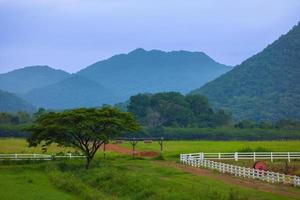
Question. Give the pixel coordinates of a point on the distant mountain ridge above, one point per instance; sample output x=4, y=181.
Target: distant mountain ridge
x=75, y=91
x=265, y=86
x=11, y=103
x=23, y=80
x=113, y=80
x=153, y=71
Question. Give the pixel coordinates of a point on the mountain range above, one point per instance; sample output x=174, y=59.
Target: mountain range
x=11, y=103
x=154, y=71
x=23, y=80
x=113, y=80
x=263, y=87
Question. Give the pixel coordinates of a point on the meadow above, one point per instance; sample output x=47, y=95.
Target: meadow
x=172, y=149
x=123, y=177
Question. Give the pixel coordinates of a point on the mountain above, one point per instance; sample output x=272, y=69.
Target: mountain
x=153, y=71
x=11, y=103
x=265, y=86
x=75, y=91
x=23, y=80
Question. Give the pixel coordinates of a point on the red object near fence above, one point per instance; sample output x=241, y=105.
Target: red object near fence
x=260, y=165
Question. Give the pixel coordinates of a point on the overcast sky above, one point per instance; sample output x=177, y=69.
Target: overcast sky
x=72, y=34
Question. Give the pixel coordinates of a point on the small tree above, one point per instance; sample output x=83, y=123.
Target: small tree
x=84, y=129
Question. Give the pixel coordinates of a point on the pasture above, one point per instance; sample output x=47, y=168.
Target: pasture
x=122, y=177
x=172, y=149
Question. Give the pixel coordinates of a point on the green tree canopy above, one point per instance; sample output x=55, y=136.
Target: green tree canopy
x=174, y=109
x=83, y=129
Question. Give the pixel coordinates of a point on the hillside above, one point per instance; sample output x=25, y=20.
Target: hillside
x=265, y=86
x=75, y=91
x=11, y=103
x=153, y=71
x=23, y=80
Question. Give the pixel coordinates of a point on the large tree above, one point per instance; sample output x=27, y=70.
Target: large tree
x=84, y=129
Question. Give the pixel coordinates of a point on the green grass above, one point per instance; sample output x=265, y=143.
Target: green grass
x=124, y=178
x=117, y=177
x=19, y=145
x=172, y=149
x=28, y=182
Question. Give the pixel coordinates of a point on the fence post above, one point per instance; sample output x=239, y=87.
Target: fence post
x=271, y=156
x=219, y=156
x=254, y=156
x=289, y=158
x=236, y=156
x=16, y=156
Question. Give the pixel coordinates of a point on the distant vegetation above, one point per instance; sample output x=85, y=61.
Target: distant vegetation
x=221, y=133
x=176, y=110
x=265, y=86
x=174, y=116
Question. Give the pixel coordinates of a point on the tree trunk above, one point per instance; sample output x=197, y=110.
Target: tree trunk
x=88, y=162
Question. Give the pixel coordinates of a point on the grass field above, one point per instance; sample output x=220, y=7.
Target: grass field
x=19, y=145
x=172, y=149
x=115, y=178
x=121, y=177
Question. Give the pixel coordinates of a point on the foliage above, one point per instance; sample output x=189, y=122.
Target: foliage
x=222, y=133
x=265, y=86
x=7, y=130
x=174, y=109
x=84, y=129
x=20, y=117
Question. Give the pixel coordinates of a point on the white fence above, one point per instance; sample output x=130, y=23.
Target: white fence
x=248, y=156
x=37, y=156
x=272, y=177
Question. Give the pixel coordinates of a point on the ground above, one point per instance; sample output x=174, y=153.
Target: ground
x=119, y=176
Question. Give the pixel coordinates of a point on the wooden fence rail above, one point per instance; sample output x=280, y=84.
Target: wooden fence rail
x=248, y=156
x=272, y=177
x=36, y=156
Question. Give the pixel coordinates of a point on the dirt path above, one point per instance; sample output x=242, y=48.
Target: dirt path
x=247, y=183
x=126, y=151
x=118, y=149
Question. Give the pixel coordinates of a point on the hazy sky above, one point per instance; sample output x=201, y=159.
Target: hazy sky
x=72, y=34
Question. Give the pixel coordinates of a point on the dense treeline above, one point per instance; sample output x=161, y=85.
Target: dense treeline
x=172, y=109
x=174, y=116
x=283, y=124
x=12, y=124
x=222, y=133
